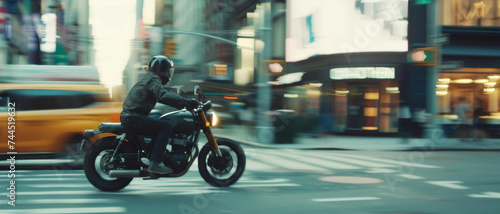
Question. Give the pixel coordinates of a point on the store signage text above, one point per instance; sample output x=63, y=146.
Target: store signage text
x=362, y=73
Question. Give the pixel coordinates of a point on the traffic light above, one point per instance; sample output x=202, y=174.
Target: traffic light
x=169, y=48
x=275, y=67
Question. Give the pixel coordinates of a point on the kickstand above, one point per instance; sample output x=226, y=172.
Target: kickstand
x=152, y=176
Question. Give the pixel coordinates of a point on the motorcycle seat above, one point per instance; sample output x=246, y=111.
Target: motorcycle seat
x=116, y=128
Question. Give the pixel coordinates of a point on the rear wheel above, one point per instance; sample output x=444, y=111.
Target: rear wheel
x=222, y=171
x=94, y=165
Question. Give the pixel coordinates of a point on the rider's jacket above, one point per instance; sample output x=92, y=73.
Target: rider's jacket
x=145, y=93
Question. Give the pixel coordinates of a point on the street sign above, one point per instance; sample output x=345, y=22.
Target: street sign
x=422, y=56
x=422, y=2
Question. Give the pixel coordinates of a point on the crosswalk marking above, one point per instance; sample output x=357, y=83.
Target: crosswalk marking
x=329, y=164
x=345, y=199
x=68, y=210
x=69, y=201
x=410, y=176
x=353, y=161
x=314, y=161
x=397, y=163
x=286, y=163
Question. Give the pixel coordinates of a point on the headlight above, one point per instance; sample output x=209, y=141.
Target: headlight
x=215, y=119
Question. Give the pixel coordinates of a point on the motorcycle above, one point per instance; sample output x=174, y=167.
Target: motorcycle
x=114, y=158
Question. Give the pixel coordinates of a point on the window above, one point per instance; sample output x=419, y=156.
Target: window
x=50, y=99
x=4, y=102
x=470, y=13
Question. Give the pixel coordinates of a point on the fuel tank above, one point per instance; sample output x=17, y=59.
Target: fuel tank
x=185, y=121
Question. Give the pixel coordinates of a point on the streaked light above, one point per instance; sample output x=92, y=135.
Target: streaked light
x=462, y=81
x=392, y=90
x=442, y=86
x=441, y=93
x=444, y=80
x=490, y=84
x=316, y=84
x=371, y=128
x=494, y=77
x=291, y=95
x=481, y=81
x=230, y=97
x=489, y=90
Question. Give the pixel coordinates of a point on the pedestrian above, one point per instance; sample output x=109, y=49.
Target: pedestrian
x=404, y=121
x=463, y=111
x=479, y=133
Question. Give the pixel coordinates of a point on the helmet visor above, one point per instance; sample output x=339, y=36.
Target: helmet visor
x=170, y=73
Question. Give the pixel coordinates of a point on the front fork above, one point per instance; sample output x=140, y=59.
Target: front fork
x=208, y=133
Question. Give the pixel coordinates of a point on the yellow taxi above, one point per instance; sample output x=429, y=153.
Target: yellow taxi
x=50, y=118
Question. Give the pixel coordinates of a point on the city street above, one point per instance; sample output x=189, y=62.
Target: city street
x=284, y=181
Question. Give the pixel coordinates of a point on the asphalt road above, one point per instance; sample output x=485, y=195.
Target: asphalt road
x=283, y=181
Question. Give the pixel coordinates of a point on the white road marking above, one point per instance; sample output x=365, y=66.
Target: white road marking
x=276, y=180
x=69, y=201
x=256, y=165
x=354, y=160
x=287, y=163
x=449, y=184
x=380, y=170
x=345, y=199
x=68, y=210
x=265, y=185
x=410, y=176
x=55, y=174
x=397, y=163
x=310, y=159
x=48, y=179
x=486, y=195
x=71, y=185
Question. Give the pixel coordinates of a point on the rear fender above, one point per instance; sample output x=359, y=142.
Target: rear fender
x=93, y=136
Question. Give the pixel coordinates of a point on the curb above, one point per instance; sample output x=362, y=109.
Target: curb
x=313, y=147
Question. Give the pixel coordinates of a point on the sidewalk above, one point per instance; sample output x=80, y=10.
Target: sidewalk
x=244, y=135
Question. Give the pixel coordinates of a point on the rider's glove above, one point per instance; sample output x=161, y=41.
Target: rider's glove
x=192, y=104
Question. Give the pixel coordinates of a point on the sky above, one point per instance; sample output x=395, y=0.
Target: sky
x=113, y=28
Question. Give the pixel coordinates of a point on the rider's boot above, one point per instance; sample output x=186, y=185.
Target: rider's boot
x=159, y=168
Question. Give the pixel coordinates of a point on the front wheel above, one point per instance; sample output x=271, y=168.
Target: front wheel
x=222, y=171
x=94, y=165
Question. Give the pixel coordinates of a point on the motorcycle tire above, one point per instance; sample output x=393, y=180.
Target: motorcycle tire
x=207, y=157
x=97, y=176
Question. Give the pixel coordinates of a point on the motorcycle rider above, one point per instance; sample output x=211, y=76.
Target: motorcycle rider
x=141, y=100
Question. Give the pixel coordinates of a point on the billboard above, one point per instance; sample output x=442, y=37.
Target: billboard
x=323, y=27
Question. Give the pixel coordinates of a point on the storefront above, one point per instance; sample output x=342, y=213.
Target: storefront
x=476, y=87
x=347, y=99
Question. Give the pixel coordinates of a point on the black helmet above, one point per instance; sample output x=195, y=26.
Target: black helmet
x=163, y=67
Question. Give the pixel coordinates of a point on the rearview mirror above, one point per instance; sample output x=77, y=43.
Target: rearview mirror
x=197, y=91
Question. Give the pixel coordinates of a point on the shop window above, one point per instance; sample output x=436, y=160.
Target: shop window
x=478, y=86
x=470, y=12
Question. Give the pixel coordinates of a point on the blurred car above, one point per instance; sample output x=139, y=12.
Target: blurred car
x=50, y=118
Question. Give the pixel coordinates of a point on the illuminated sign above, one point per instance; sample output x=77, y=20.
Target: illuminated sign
x=362, y=73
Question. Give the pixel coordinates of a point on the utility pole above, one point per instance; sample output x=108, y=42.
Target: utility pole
x=263, y=128
x=433, y=32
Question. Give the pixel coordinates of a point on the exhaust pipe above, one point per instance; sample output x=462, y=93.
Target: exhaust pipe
x=124, y=173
